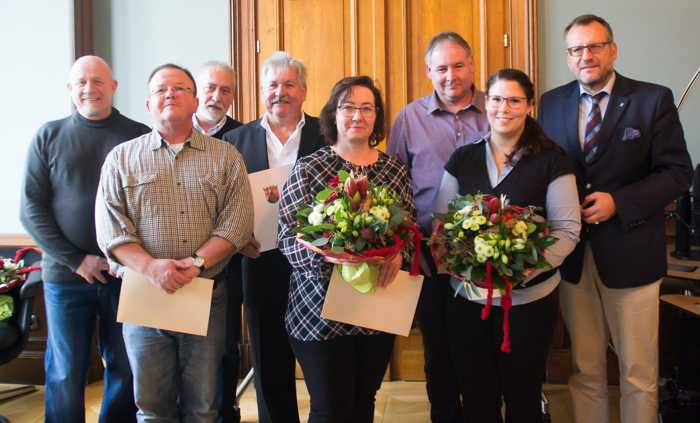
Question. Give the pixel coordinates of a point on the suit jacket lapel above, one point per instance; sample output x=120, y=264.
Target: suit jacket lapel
x=259, y=150
x=571, y=123
x=309, y=137
x=616, y=107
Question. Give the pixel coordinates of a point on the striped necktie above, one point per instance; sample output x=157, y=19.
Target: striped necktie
x=594, y=121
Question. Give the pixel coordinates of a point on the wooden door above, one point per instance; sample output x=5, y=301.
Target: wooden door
x=385, y=39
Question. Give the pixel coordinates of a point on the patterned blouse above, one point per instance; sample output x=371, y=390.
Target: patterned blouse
x=311, y=274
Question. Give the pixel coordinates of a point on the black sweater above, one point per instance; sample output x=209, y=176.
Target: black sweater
x=60, y=184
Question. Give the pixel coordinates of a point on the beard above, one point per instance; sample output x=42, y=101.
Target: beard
x=211, y=114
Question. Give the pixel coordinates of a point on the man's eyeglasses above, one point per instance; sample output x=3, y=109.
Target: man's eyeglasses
x=495, y=101
x=348, y=110
x=177, y=90
x=595, y=48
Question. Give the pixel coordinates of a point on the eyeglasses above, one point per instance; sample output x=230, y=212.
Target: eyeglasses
x=595, y=48
x=495, y=101
x=177, y=90
x=348, y=110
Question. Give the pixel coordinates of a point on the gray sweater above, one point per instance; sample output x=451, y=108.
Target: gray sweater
x=60, y=184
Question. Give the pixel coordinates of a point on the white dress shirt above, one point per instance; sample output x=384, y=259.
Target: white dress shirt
x=584, y=106
x=278, y=153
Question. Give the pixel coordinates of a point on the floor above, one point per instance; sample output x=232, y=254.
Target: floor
x=397, y=402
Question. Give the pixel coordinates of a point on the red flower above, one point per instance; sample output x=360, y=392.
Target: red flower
x=334, y=181
x=494, y=204
x=331, y=197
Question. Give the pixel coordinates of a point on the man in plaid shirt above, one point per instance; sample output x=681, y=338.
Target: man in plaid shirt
x=174, y=204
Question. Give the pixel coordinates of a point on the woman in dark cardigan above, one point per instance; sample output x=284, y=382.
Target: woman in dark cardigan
x=518, y=160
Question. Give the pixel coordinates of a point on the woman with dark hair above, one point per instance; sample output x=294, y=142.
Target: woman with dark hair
x=518, y=160
x=343, y=364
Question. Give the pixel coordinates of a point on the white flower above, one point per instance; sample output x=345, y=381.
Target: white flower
x=380, y=212
x=318, y=208
x=315, y=218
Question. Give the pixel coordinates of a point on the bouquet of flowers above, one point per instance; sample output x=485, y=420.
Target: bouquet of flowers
x=13, y=273
x=485, y=241
x=357, y=226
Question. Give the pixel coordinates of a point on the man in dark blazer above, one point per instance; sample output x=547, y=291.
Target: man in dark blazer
x=631, y=160
x=216, y=85
x=282, y=135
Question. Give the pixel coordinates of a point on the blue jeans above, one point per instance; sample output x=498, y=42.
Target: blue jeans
x=72, y=310
x=176, y=375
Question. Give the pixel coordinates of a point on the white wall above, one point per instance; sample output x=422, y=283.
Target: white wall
x=658, y=41
x=37, y=50
x=135, y=36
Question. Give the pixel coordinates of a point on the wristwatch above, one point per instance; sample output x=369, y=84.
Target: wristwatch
x=198, y=262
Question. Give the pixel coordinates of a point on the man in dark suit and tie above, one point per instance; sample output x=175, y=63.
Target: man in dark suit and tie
x=282, y=135
x=631, y=160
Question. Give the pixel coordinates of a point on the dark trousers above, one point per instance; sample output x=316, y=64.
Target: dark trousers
x=441, y=383
x=343, y=375
x=265, y=288
x=232, y=358
x=485, y=373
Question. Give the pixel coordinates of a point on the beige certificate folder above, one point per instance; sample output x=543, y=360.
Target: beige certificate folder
x=186, y=310
x=266, y=186
x=389, y=309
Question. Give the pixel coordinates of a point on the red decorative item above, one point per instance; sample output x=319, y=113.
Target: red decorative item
x=13, y=272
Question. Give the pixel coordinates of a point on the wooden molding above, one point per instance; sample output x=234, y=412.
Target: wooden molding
x=16, y=240
x=82, y=14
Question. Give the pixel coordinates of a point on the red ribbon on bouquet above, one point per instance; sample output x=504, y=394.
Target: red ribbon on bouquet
x=398, y=245
x=506, y=304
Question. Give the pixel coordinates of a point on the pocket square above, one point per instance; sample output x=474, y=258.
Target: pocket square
x=631, y=134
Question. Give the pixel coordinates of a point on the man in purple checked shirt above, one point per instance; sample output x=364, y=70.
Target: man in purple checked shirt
x=425, y=134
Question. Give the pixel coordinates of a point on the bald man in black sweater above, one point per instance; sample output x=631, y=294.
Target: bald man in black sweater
x=58, y=209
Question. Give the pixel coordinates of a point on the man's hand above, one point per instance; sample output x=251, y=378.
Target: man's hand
x=598, y=207
x=171, y=275
x=389, y=270
x=251, y=249
x=91, y=269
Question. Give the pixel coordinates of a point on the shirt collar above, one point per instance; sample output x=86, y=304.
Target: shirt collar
x=483, y=140
x=195, y=140
x=607, y=89
x=213, y=130
x=265, y=123
x=478, y=102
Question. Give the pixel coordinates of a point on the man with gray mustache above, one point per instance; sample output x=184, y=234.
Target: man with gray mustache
x=282, y=135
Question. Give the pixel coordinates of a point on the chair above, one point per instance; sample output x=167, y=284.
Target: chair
x=14, y=333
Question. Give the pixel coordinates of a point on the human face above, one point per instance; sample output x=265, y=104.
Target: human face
x=451, y=71
x=215, y=91
x=171, y=98
x=354, y=125
x=283, y=93
x=592, y=70
x=91, y=87
x=507, y=119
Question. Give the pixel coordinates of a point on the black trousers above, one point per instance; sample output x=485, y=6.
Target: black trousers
x=232, y=357
x=343, y=375
x=265, y=291
x=441, y=382
x=485, y=373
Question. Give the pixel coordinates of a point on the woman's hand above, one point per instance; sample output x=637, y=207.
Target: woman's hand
x=388, y=271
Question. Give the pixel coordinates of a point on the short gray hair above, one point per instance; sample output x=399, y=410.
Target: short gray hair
x=282, y=60
x=217, y=64
x=450, y=36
